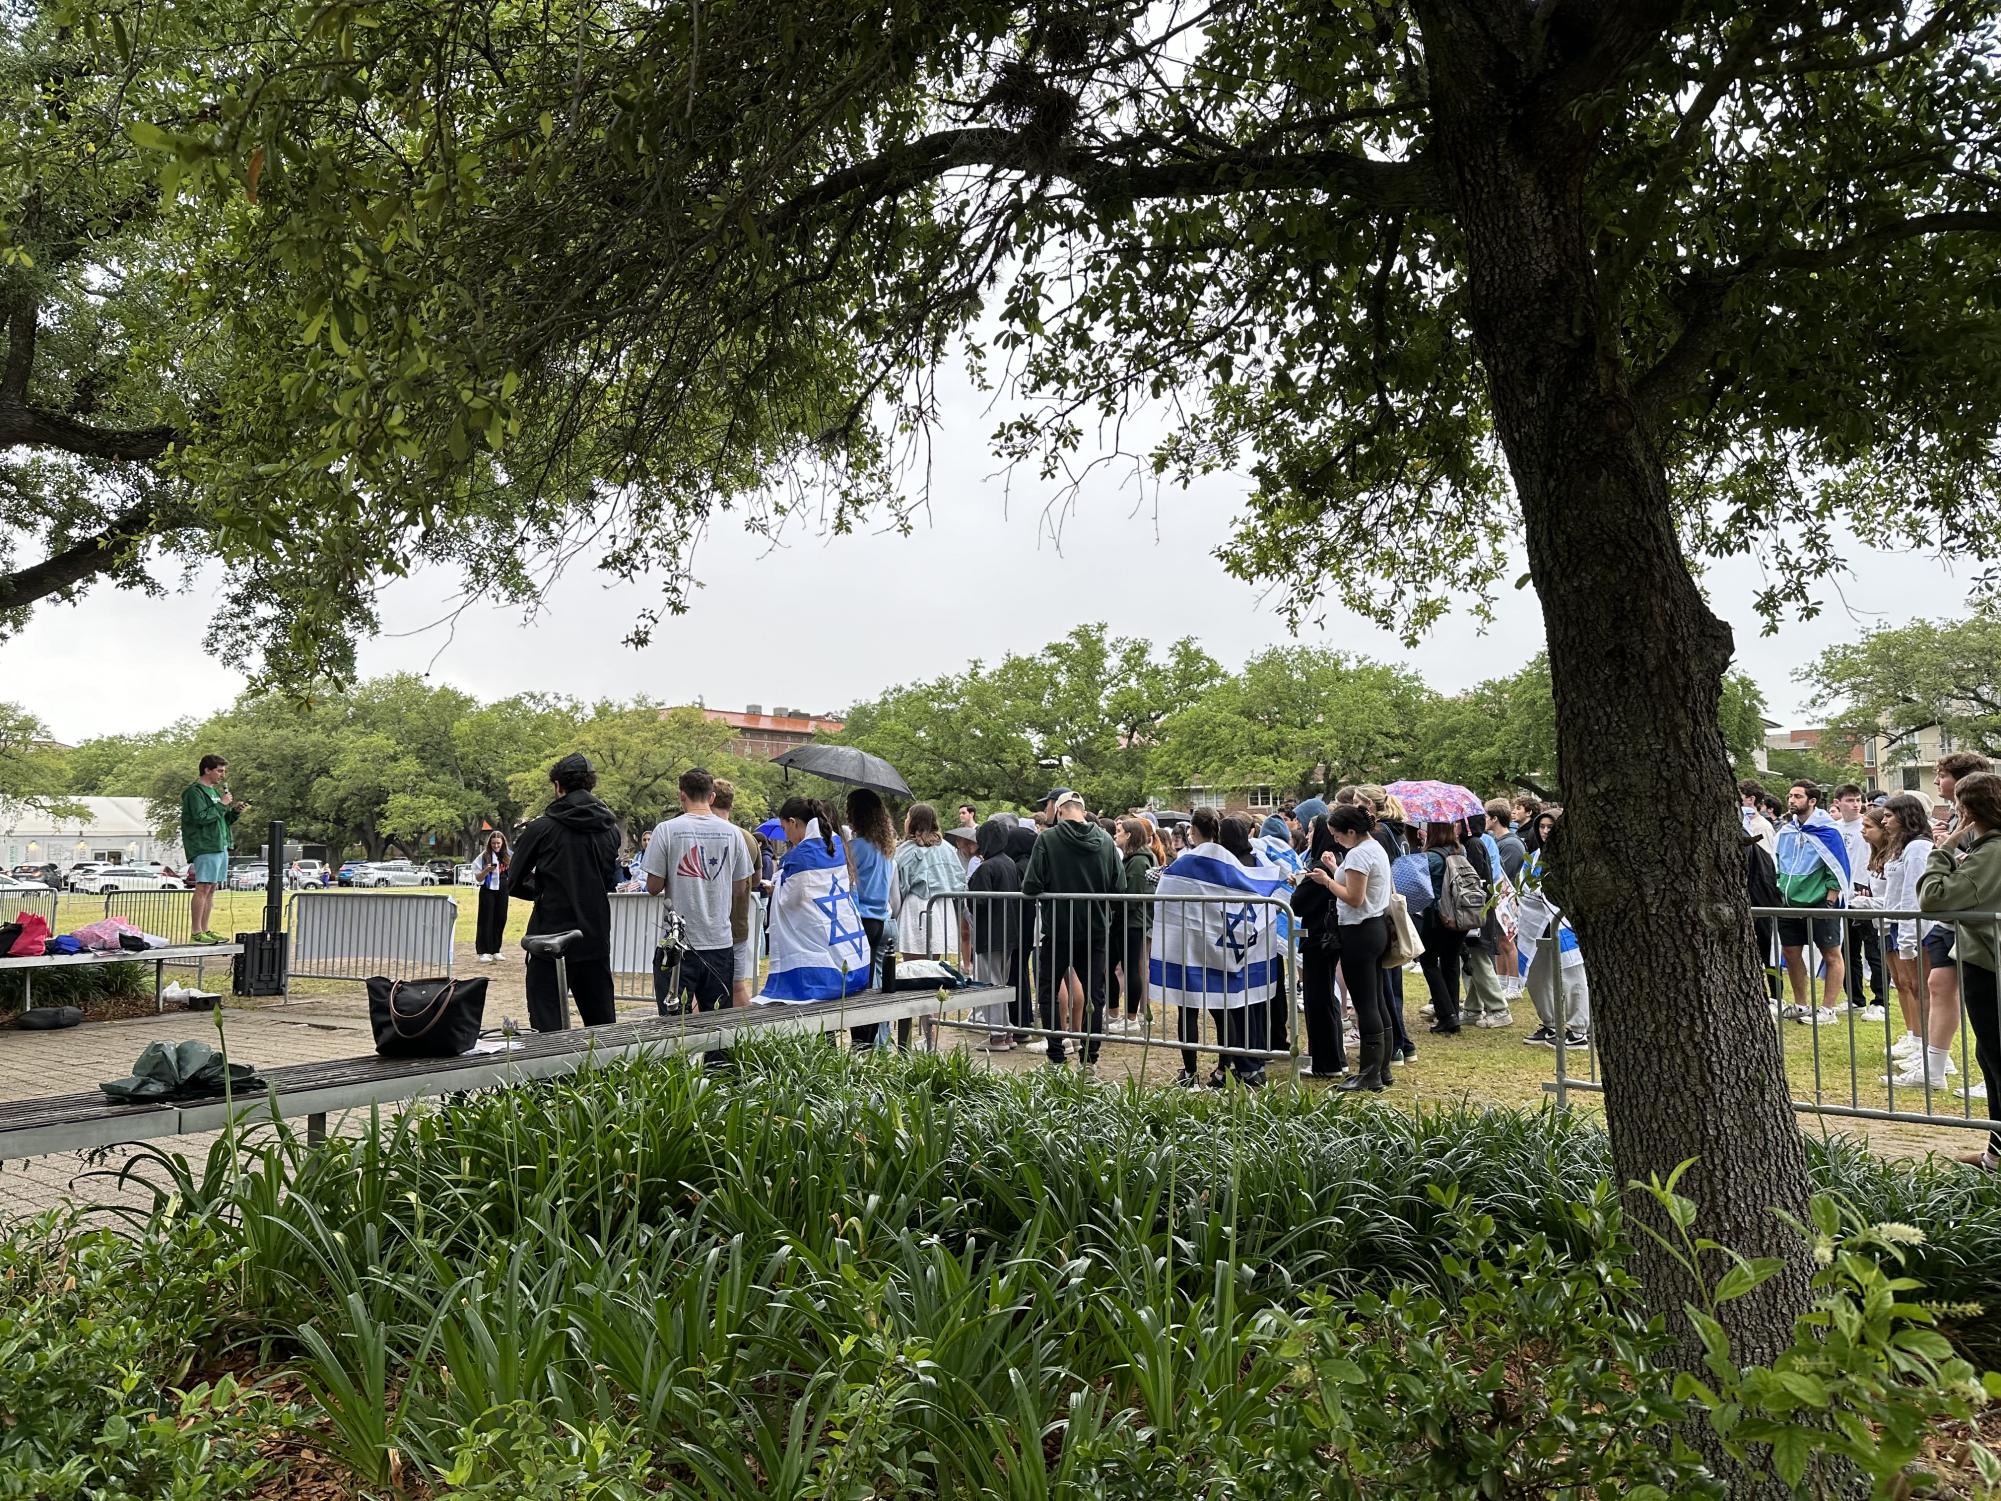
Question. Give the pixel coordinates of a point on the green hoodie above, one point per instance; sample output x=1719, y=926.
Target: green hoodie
x=1971, y=884
x=204, y=821
x=1073, y=856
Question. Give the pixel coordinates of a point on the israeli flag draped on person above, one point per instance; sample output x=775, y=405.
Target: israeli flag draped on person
x=1535, y=915
x=1214, y=954
x=1278, y=851
x=818, y=949
x=1809, y=846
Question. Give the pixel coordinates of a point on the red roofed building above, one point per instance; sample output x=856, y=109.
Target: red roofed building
x=760, y=736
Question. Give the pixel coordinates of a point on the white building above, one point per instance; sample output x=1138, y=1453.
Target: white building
x=117, y=830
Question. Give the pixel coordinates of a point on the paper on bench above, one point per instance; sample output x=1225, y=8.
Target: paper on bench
x=492, y=1045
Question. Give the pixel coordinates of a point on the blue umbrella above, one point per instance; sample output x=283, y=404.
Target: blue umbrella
x=771, y=828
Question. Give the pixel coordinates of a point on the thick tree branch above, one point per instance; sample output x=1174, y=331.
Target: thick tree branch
x=38, y=427
x=93, y=555
x=1708, y=325
x=1374, y=186
x=1608, y=38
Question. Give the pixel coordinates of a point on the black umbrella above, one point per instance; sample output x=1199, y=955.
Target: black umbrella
x=845, y=763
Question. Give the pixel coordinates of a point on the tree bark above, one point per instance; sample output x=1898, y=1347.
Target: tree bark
x=1648, y=861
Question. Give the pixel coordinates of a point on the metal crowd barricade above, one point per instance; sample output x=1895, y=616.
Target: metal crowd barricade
x=44, y=902
x=635, y=933
x=1849, y=1044
x=1051, y=929
x=351, y=935
x=169, y=913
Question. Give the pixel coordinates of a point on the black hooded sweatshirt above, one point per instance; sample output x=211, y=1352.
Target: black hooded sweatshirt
x=996, y=924
x=566, y=863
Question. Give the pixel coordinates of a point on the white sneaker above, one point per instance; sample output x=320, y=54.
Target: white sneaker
x=1427, y=1011
x=1907, y=1046
x=1974, y=1091
x=1816, y=1016
x=1495, y=1019
x=1914, y=1077
x=1871, y=1013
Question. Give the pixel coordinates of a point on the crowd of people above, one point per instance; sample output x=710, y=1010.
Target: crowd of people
x=1100, y=925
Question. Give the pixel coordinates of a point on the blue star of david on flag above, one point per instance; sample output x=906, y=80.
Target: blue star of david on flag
x=837, y=935
x=1232, y=921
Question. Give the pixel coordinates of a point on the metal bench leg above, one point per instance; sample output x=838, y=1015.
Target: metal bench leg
x=159, y=984
x=316, y=1129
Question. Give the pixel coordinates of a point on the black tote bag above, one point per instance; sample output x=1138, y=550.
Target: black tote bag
x=425, y=1018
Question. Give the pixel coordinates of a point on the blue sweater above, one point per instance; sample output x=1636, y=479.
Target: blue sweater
x=871, y=879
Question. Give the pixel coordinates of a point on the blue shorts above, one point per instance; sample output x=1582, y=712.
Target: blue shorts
x=210, y=870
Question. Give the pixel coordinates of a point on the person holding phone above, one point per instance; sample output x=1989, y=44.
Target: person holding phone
x=208, y=813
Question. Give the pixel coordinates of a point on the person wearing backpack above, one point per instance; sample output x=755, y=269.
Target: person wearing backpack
x=1454, y=918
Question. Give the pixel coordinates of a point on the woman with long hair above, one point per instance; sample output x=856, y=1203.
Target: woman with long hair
x=1964, y=875
x=1359, y=881
x=928, y=868
x=1444, y=947
x=1320, y=955
x=491, y=871
x=1899, y=848
x=1389, y=828
x=1137, y=851
x=872, y=858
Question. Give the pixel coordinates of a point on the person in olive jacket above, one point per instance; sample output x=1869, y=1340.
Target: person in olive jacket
x=566, y=863
x=1964, y=875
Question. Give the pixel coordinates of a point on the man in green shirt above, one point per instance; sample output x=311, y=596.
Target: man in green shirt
x=207, y=812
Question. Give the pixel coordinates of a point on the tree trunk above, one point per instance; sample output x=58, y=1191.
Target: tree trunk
x=1648, y=861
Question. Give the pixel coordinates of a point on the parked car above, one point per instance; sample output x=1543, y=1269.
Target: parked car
x=78, y=877
x=44, y=875
x=392, y=873
x=14, y=883
x=345, y=876
x=445, y=870
x=308, y=873
x=466, y=875
x=249, y=878
x=111, y=878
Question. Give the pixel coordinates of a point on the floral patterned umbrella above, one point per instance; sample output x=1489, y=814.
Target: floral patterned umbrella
x=1436, y=802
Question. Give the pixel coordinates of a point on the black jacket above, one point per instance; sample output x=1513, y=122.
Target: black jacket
x=566, y=864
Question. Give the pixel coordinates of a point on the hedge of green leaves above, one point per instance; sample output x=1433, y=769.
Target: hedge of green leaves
x=835, y=1276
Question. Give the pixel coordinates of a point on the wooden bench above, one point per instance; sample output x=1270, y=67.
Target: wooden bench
x=80, y=1122
x=175, y=953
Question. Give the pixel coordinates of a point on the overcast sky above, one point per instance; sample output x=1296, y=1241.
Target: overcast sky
x=821, y=622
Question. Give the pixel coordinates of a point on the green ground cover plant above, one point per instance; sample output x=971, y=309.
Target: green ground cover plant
x=831, y=1275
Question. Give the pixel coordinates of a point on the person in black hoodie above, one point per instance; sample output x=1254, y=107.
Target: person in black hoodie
x=1073, y=858
x=566, y=864
x=996, y=923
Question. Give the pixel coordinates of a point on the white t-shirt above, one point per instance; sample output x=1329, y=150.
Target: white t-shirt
x=1858, y=847
x=1368, y=858
x=700, y=857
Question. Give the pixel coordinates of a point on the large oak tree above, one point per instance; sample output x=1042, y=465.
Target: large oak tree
x=1626, y=284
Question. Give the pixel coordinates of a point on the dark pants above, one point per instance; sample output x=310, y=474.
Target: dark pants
x=1865, y=946
x=1982, y=1009
x=590, y=985
x=1134, y=964
x=1444, y=954
x=1189, y=1029
x=1278, y=1013
x=492, y=921
x=1088, y=957
x=1768, y=954
x=1317, y=964
x=1243, y=1027
x=706, y=977
x=882, y=976
x=1391, y=988
x=1362, y=947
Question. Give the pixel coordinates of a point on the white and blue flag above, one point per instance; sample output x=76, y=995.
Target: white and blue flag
x=818, y=949
x=1804, y=849
x=1219, y=953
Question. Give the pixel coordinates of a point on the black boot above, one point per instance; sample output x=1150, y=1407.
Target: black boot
x=1374, y=1054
